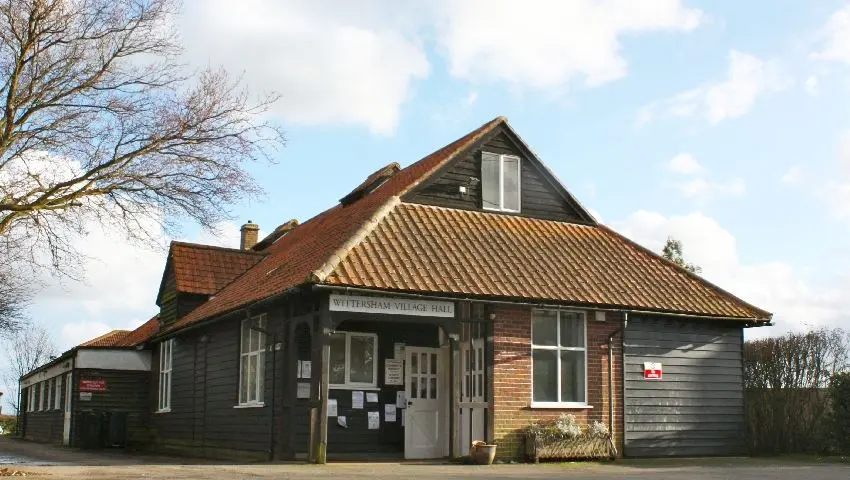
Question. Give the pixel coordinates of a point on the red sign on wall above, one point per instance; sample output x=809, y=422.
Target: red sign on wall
x=652, y=371
x=92, y=385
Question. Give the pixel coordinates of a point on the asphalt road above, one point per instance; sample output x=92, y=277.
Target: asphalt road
x=58, y=462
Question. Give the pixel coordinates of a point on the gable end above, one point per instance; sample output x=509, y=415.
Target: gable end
x=541, y=195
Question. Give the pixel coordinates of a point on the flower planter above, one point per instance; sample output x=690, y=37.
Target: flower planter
x=482, y=453
x=583, y=447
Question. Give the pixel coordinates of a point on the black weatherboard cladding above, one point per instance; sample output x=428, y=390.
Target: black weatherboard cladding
x=698, y=406
x=539, y=197
x=126, y=391
x=357, y=438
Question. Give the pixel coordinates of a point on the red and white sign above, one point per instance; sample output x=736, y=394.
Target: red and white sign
x=652, y=371
x=92, y=385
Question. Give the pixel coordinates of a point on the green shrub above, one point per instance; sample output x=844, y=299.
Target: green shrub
x=8, y=425
x=839, y=394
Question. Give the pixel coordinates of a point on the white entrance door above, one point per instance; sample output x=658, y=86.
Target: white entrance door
x=422, y=385
x=66, y=433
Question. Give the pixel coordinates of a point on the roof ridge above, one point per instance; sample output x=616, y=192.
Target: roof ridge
x=687, y=272
x=499, y=214
x=214, y=247
x=105, y=335
x=320, y=274
x=480, y=132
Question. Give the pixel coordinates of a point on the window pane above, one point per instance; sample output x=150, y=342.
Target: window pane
x=413, y=385
x=545, y=375
x=510, y=167
x=362, y=361
x=490, y=180
x=543, y=327
x=572, y=330
x=252, y=378
x=423, y=387
x=337, y=365
x=414, y=363
x=246, y=337
x=434, y=363
x=572, y=376
x=261, y=375
x=433, y=387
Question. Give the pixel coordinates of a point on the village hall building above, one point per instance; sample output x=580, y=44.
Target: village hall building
x=460, y=298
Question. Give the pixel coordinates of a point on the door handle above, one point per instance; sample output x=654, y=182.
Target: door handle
x=409, y=403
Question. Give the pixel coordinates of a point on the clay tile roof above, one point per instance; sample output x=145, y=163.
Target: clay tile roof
x=294, y=258
x=206, y=269
x=109, y=339
x=418, y=248
x=142, y=334
x=125, y=338
x=376, y=241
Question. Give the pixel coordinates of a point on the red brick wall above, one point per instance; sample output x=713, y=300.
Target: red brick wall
x=512, y=378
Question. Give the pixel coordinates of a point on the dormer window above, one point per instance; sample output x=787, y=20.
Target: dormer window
x=500, y=182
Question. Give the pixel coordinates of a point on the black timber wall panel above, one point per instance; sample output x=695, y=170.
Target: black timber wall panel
x=45, y=426
x=698, y=406
x=205, y=382
x=357, y=438
x=539, y=198
x=126, y=391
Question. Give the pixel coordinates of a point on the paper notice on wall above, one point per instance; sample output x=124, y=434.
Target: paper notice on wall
x=400, y=399
x=305, y=369
x=371, y=397
x=393, y=372
x=357, y=399
x=374, y=420
x=85, y=396
x=332, y=407
x=389, y=412
x=303, y=390
x=342, y=421
x=398, y=351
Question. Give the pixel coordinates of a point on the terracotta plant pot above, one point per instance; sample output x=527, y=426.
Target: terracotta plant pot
x=482, y=453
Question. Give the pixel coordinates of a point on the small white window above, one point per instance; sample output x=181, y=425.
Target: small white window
x=353, y=360
x=252, y=361
x=559, y=358
x=31, y=406
x=500, y=182
x=166, y=353
x=57, y=393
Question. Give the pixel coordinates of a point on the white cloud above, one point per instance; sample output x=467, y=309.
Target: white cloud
x=545, y=44
x=794, y=176
x=836, y=189
x=811, y=86
x=343, y=63
x=747, y=79
x=776, y=286
x=703, y=190
x=685, y=163
x=833, y=41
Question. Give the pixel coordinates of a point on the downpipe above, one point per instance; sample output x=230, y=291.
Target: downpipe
x=611, y=395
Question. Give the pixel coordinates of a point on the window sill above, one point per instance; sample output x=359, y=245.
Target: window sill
x=356, y=387
x=250, y=405
x=562, y=406
x=163, y=410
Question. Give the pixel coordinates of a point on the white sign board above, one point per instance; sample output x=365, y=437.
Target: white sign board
x=652, y=371
x=391, y=306
x=393, y=372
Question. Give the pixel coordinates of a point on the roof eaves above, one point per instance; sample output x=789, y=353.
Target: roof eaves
x=763, y=315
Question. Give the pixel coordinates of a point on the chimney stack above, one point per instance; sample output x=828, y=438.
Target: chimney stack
x=250, y=235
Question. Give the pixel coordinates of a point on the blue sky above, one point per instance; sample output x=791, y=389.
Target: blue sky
x=723, y=123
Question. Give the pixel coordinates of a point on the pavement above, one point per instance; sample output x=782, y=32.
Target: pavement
x=59, y=462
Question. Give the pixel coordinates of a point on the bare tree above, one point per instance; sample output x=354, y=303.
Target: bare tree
x=13, y=300
x=100, y=122
x=25, y=350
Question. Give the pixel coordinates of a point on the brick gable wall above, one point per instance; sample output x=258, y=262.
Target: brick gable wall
x=512, y=378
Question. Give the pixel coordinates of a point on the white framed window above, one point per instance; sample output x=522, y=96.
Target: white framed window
x=252, y=362
x=500, y=182
x=31, y=403
x=57, y=402
x=558, y=359
x=354, y=360
x=166, y=355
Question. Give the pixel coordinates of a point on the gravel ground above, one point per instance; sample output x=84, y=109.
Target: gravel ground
x=58, y=462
